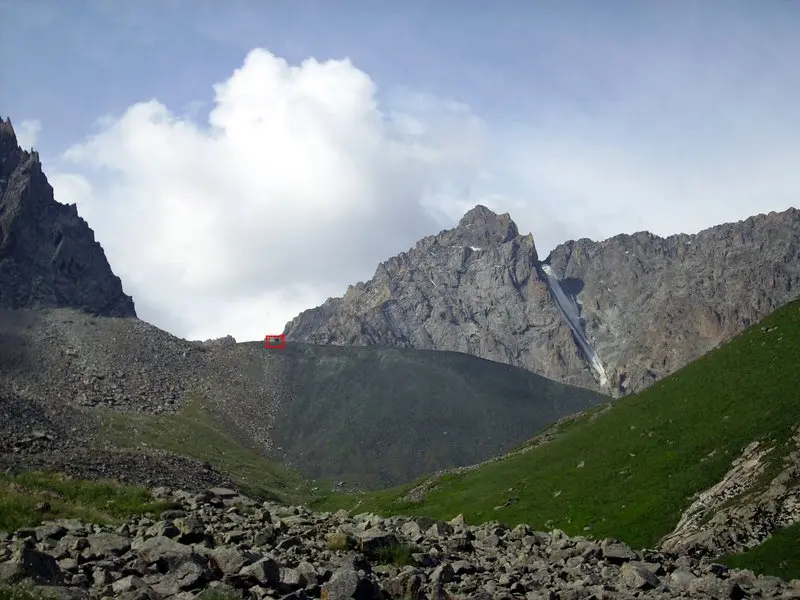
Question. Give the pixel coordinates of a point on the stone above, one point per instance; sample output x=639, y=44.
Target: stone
x=164, y=569
x=51, y=531
x=638, y=577
x=165, y=552
x=108, y=544
x=680, y=578
x=127, y=584
x=191, y=530
x=442, y=574
x=265, y=571
x=339, y=540
x=372, y=541
x=223, y=493
x=227, y=559
x=189, y=575
x=346, y=584
x=163, y=528
x=616, y=552
x=29, y=563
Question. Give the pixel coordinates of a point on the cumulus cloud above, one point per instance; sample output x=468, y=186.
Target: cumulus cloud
x=300, y=178
x=27, y=133
x=299, y=182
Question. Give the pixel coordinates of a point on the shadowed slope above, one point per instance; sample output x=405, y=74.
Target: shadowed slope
x=369, y=415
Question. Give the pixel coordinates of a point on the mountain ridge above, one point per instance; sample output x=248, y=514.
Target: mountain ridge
x=369, y=416
x=501, y=305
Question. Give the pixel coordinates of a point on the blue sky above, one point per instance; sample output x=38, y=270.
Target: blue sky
x=529, y=62
x=580, y=118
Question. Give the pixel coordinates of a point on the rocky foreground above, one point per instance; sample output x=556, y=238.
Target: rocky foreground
x=219, y=544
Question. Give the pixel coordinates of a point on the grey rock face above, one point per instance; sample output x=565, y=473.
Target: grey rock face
x=651, y=305
x=48, y=254
x=647, y=305
x=475, y=289
x=713, y=525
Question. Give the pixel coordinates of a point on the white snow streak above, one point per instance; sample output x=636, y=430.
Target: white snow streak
x=571, y=313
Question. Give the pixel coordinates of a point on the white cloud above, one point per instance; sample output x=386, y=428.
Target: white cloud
x=297, y=186
x=302, y=181
x=27, y=133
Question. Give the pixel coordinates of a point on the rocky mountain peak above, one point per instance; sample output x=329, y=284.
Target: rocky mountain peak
x=48, y=254
x=8, y=139
x=10, y=152
x=482, y=226
x=613, y=315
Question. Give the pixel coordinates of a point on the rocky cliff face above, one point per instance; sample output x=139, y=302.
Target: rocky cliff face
x=613, y=315
x=48, y=254
x=651, y=305
x=716, y=523
x=476, y=289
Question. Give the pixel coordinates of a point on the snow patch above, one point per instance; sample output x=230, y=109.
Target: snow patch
x=475, y=248
x=569, y=309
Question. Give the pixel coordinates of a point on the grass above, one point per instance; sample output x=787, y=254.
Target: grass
x=63, y=497
x=194, y=432
x=30, y=592
x=631, y=471
x=396, y=554
x=340, y=542
x=778, y=555
x=19, y=593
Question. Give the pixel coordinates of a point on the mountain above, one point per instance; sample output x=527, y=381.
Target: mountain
x=614, y=315
x=48, y=254
x=704, y=462
x=369, y=416
x=87, y=387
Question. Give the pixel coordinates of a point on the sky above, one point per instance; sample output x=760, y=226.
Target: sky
x=243, y=161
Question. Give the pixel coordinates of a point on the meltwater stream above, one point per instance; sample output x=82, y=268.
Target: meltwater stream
x=571, y=314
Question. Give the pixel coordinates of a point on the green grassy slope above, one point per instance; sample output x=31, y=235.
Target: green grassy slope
x=631, y=471
x=778, y=555
x=195, y=432
x=29, y=498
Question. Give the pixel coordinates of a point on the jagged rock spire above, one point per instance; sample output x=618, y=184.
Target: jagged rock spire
x=8, y=139
x=48, y=254
x=484, y=226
